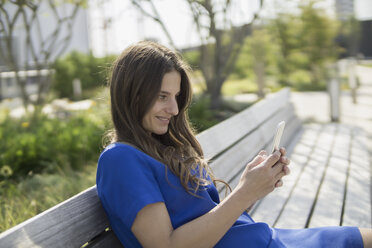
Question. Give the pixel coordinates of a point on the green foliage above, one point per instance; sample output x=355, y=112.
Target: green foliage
x=202, y=117
x=90, y=70
x=192, y=58
x=258, y=48
x=306, y=43
x=243, y=65
x=240, y=86
x=199, y=113
x=45, y=144
x=317, y=40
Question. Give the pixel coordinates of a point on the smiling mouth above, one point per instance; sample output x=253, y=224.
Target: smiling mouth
x=163, y=119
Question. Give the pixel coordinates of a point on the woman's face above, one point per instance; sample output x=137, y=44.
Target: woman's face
x=157, y=119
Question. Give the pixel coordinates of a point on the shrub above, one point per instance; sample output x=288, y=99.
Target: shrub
x=192, y=58
x=200, y=115
x=91, y=71
x=45, y=144
x=301, y=81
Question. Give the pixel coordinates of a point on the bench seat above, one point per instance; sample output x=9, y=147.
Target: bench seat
x=329, y=184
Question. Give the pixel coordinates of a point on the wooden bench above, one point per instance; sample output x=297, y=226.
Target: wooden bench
x=329, y=185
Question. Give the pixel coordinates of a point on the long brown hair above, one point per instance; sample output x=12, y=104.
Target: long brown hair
x=134, y=86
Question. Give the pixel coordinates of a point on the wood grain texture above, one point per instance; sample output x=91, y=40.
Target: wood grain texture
x=106, y=239
x=68, y=224
x=329, y=202
x=300, y=203
x=269, y=208
x=260, y=139
x=221, y=136
x=358, y=208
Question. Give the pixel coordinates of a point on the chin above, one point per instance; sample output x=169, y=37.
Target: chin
x=161, y=131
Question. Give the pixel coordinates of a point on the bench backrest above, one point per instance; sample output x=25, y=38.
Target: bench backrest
x=229, y=144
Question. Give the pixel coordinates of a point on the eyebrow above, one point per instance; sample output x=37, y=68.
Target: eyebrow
x=167, y=93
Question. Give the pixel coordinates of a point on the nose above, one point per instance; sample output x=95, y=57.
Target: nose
x=172, y=107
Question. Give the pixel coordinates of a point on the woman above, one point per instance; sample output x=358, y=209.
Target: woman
x=154, y=184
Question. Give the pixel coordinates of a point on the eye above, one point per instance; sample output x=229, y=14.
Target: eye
x=162, y=97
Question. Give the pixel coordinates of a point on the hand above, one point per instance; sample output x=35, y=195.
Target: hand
x=262, y=175
x=283, y=159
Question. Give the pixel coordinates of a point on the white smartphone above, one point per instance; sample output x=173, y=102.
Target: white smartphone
x=278, y=136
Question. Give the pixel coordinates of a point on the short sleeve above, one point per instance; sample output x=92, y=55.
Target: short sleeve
x=126, y=182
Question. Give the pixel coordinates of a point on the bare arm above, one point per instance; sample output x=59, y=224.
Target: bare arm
x=153, y=227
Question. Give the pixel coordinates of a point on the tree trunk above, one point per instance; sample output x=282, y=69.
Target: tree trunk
x=259, y=70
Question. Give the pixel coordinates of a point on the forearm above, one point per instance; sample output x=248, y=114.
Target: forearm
x=153, y=227
x=209, y=228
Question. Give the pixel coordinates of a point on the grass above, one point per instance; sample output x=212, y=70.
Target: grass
x=238, y=86
x=230, y=88
x=20, y=201
x=233, y=86
x=367, y=65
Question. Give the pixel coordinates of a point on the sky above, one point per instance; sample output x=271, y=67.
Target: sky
x=128, y=25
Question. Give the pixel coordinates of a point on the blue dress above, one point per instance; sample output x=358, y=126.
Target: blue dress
x=128, y=180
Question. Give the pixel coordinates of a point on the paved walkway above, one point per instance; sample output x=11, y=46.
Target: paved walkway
x=329, y=182
x=315, y=106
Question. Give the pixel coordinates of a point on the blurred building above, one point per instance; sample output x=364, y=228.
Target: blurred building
x=344, y=9
x=365, y=47
x=39, y=34
x=360, y=43
x=363, y=11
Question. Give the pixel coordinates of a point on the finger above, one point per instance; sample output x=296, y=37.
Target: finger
x=262, y=153
x=279, y=183
x=284, y=160
x=286, y=170
x=273, y=158
x=282, y=151
x=256, y=161
x=279, y=175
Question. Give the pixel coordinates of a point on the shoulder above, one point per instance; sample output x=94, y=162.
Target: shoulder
x=120, y=151
x=119, y=156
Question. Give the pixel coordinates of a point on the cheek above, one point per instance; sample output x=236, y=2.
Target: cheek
x=146, y=121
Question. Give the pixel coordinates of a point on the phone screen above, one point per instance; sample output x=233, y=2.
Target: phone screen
x=278, y=136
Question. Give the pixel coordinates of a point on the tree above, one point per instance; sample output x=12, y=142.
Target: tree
x=317, y=39
x=307, y=44
x=285, y=28
x=258, y=58
x=221, y=40
x=262, y=50
x=42, y=47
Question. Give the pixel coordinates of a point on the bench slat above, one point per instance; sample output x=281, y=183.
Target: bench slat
x=300, y=203
x=244, y=151
x=221, y=136
x=68, y=224
x=358, y=196
x=107, y=239
x=269, y=208
x=333, y=187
